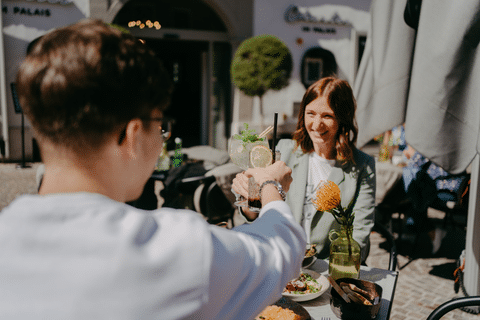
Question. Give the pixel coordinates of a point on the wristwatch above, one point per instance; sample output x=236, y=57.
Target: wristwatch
x=277, y=185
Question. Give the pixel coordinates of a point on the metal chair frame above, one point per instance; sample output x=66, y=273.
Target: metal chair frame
x=211, y=199
x=453, y=304
x=382, y=230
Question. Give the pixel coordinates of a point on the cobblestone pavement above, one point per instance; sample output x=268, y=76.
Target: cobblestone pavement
x=15, y=182
x=423, y=284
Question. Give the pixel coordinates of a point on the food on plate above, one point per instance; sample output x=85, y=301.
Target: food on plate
x=356, y=294
x=340, y=291
x=304, y=284
x=276, y=312
x=284, y=309
x=353, y=287
x=311, y=251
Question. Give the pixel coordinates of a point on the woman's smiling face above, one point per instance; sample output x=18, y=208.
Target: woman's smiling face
x=322, y=125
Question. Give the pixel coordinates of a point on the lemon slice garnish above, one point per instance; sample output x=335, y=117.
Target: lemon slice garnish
x=260, y=157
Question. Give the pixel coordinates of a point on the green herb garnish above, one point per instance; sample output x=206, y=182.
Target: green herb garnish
x=313, y=289
x=247, y=136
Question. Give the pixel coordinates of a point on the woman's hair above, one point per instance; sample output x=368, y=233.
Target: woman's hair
x=81, y=83
x=339, y=97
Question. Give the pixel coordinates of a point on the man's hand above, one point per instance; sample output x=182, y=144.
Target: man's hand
x=277, y=171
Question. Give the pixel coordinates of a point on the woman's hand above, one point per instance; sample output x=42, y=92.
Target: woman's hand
x=240, y=184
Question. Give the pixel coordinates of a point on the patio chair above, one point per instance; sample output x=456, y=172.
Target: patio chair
x=383, y=231
x=452, y=305
x=454, y=204
x=208, y=198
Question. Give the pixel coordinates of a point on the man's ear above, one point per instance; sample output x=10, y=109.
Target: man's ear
x=130, y=143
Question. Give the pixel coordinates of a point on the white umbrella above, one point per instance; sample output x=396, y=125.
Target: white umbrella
x=383, y=78
x=432, y=82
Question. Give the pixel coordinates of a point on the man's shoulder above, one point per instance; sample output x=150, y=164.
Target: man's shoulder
x=109, y=247
x=104, y=223
x=95, y=210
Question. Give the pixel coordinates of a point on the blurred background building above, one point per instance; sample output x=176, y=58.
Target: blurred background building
x=196, y=40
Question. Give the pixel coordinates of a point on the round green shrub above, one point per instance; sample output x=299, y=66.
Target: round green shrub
x=261, y=63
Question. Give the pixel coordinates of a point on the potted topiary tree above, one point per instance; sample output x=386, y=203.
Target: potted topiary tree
x=261, y=63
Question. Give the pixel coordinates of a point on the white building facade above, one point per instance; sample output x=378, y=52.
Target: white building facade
x=22, y=22
x=324, y=37
x=196, y=39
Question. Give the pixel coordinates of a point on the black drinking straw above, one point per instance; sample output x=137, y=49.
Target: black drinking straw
x=274, y=140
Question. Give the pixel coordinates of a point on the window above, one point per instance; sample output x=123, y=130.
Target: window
x=313, y=70
x=359, y=40
x=316, y=64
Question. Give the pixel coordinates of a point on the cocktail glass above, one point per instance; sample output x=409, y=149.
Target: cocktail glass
x=239, y=151
x=241, y=154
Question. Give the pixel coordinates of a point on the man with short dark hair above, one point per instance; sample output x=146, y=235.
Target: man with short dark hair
x=95, y=98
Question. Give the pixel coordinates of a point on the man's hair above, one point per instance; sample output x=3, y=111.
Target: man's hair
x=339, y=96
x=81, y=83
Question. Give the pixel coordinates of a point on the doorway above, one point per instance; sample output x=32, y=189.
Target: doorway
x=183, y=61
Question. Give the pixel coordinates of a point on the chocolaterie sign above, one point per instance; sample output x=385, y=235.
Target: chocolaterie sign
x=63, y=2
x=293, y=14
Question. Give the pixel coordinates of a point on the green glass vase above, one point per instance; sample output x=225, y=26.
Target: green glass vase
x=344, y=254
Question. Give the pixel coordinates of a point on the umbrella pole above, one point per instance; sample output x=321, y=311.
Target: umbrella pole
x=472, y=243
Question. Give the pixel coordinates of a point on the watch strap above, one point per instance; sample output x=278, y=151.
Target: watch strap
x=277, y=185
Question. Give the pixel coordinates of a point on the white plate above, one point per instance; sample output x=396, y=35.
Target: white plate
x=322, y=280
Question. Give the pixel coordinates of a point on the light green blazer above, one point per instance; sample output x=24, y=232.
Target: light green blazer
x=356, y=182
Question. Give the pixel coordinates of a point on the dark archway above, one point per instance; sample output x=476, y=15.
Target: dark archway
x=178, y=14
x=316, y=64
x=185, y=59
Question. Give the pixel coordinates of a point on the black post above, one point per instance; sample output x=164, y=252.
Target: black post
x=2, y=149
x=18, y=109
x=23, y=165
x=274, y=140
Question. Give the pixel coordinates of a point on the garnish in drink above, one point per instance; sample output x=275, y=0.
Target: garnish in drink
x=247, y=135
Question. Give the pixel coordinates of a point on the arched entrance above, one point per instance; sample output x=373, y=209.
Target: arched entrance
x=193, y=43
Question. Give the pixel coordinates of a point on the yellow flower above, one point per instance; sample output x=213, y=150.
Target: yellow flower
x=327, y=197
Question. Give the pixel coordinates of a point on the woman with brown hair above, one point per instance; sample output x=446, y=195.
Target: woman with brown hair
x=323, y=148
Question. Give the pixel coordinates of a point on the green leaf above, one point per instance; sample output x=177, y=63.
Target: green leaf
x=344, y=216
x=247, y=136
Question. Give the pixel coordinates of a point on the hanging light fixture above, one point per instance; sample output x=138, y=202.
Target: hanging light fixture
x=147, y=24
